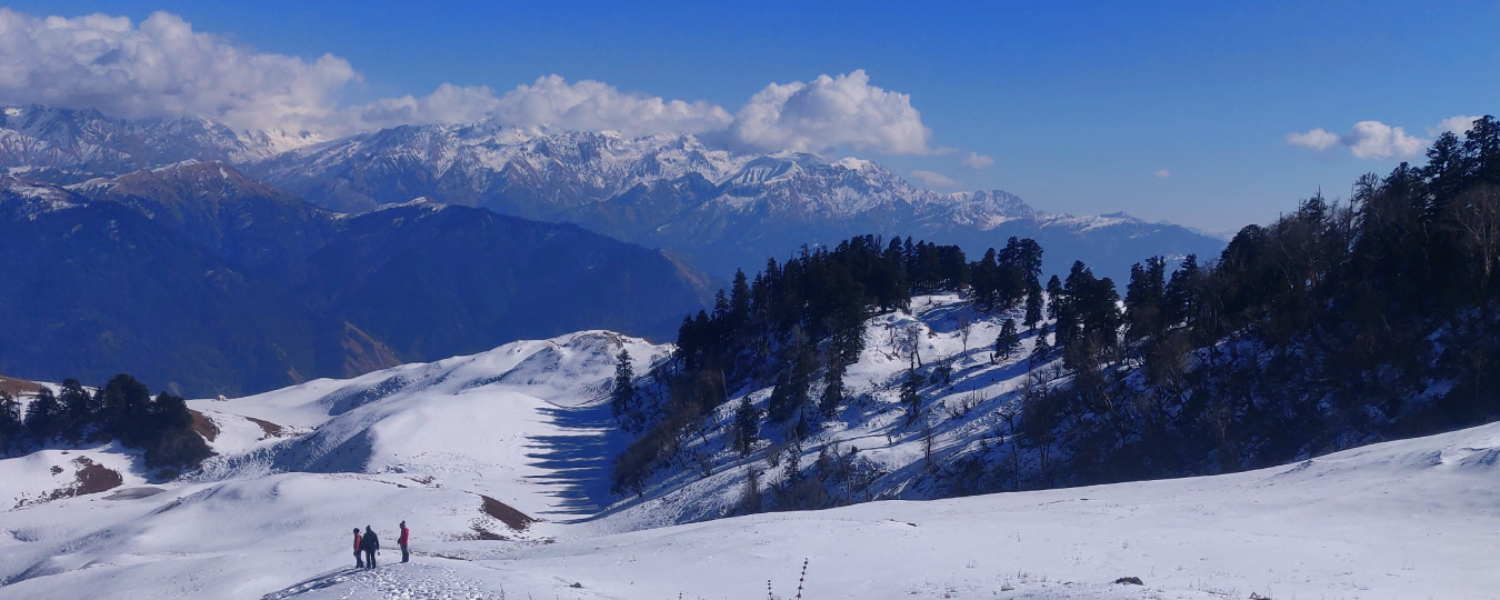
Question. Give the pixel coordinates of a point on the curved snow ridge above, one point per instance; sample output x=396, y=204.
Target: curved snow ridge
x=503, y=423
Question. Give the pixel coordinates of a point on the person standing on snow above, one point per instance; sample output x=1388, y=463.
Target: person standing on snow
x=371, y=544
x=402, y=541
x=359, y=562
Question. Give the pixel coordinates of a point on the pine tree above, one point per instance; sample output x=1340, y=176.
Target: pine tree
x=1033, y=305
x=42, y=416
x=622, y=396
x=911, y=396
x=791, y=465
x=833, y=389
x=789, y=395
x=746, y=426
x=12, y=429
x=1006, y=342
x=1145, y=299
x=125, y=407
x=80, y=411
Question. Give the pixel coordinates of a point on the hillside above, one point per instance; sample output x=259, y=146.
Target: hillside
x=207, y=281
x=91, y=289
x=520, y=425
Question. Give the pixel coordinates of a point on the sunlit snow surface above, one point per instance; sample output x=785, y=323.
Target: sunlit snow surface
x=271, y=517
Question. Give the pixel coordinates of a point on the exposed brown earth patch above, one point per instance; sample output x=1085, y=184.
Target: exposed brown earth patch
x=511, y=517
x=91, y=478
x=204, y=426
x=17, y=387
x=481, y=533
x=363, y=353
x=94, y=478
x=271, y=429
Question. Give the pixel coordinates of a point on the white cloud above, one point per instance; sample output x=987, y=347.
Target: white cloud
x=162, y=68
x=977, y=161
x=931, y=179
x=1459, y=125
x=1368, y=140
x=550, y=102
x=1373, y=140
x=1317, y=140
x=1163, y=173
x=829, y=112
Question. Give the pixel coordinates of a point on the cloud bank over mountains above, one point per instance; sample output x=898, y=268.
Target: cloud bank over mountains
x=161, y=67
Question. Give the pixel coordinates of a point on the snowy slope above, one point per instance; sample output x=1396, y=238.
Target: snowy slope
x=496, y=460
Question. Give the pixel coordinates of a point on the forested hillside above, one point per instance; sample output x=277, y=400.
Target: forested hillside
x=1337, y=325
x=1340, y=324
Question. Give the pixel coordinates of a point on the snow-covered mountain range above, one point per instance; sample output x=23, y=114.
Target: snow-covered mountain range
x=498, y=462
x=719, y=209
x=65, y=145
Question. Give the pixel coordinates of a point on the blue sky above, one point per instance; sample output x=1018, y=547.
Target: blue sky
x=1174, y=111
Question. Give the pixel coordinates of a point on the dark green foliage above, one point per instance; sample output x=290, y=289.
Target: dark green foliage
x=44, y=415
x=1034, y=304
x=173, y=448
x=79, y=409
x=1333, y=326
x=789, y=395
x=794, y=318
x=624, y=401
x=1007, y=341
x=746, y=426
x=1145, y=300
x=12, y=429
x=1004, y=279
x=122, y=410
x=1088, y=318
x=833, y=388
x=911, y=395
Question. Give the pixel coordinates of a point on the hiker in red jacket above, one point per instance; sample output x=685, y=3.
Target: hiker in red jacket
x=405, y=536
x=359, y=561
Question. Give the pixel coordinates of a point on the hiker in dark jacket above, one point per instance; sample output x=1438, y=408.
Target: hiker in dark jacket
x=403, y=540
x=371, y=544
x=359, y=562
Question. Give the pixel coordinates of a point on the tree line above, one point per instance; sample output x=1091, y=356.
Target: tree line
x=122, y=410
x=1336, y=325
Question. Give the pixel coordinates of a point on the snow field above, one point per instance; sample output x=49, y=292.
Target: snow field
x=271, y=517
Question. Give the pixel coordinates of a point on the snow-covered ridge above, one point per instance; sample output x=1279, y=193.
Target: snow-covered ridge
x=87, y=141
x=450, y=446
x=31, y=199
x=594, y=167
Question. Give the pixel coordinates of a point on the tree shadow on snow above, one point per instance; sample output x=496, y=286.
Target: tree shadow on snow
x=579, y=461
